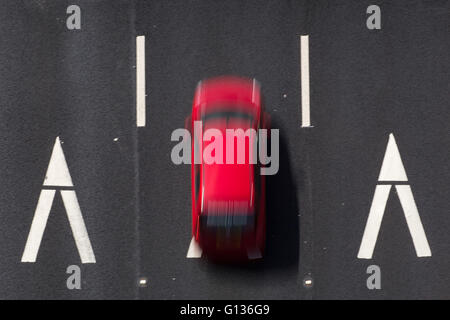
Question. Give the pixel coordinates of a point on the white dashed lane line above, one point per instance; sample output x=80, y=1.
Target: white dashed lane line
x=140, y=81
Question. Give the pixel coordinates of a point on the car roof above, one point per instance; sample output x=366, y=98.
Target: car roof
x=228, y=182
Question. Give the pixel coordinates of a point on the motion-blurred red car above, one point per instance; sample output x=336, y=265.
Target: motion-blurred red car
x=228, y=200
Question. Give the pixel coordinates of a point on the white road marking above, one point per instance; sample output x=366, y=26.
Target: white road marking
x=374, y=221
x=38, y=225
x=140, y=81
x=40, y=222
x=194, y=250
x=78, y=227
x=304, y=71
x=58, y=175
x=392, y=168
x=57, y=171
x=413, y=219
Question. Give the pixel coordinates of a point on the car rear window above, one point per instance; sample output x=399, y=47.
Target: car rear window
x=227, y=214
x=227, y=221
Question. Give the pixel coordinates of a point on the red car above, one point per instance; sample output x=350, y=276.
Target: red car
x=228, y=199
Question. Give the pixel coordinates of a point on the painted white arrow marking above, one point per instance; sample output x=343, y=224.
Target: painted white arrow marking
x=392, y=170
x=58, y=175
x=194, y=250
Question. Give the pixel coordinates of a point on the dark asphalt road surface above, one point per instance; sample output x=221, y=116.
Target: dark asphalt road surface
x=77, y=85
x=365, y=84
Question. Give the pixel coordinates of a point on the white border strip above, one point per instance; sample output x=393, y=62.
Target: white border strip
x=140, y=81
x=304, y=72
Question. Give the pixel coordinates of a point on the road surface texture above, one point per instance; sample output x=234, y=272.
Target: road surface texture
x=365, y=87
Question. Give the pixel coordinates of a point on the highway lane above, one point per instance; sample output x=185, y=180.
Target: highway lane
x=365, y=85
x=77, y=85
x=187, y=43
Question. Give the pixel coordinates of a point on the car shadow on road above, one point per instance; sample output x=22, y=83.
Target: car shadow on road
x=282, y=239
x=282, y=243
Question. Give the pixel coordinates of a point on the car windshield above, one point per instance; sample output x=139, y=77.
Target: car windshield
x=227, y=113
